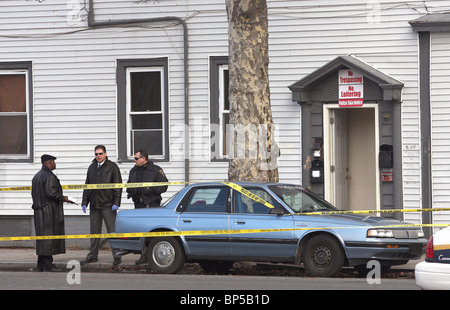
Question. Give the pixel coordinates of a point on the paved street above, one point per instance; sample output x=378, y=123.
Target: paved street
x=24, y=259
x=126, y=281
x=17, y=272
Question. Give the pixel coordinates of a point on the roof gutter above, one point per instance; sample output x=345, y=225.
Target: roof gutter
x=92, y=23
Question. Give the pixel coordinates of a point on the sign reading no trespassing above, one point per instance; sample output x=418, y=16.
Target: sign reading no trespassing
x=351, y=88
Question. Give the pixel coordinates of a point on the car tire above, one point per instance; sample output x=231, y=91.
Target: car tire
x=165, y=255
x=323, y=256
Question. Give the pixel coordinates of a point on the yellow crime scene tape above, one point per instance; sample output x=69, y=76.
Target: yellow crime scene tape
x=201, y=232
x=374, y=211
x=208, y=232
x=248, y=194
x=98, y=186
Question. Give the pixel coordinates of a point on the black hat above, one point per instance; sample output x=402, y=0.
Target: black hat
x=46, y=157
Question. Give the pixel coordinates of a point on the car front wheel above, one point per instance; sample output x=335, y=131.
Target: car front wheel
x=165, y=255
x=323, y=256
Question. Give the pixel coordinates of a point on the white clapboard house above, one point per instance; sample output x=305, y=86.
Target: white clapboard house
x=360, y=97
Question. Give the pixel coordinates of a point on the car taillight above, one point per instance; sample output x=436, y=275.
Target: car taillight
x=430, y=252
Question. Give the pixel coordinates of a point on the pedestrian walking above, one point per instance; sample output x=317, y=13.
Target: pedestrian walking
x=48, y=200
x=103, y=203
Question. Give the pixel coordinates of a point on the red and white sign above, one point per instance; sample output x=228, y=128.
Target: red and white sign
x=351, y=88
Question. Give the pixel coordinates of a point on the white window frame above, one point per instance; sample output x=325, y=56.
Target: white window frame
x=222, y=111
x=27, y=112
x=129, y=113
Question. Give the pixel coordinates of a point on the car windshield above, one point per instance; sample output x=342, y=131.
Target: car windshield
x=301, y=200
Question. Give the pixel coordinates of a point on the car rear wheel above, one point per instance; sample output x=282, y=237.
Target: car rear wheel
x=165, y=255
x=323, y=256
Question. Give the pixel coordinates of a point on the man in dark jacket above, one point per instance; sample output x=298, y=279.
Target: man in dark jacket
x=145, y=197
x=145, y=171
x=48, y=201
x=104, y=203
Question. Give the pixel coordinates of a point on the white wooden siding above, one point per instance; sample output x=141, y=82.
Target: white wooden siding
x=440, y=119
x=307, y=36
x=74, y=76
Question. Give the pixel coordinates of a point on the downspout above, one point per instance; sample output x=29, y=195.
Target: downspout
x=425, y=128
x=92, y=23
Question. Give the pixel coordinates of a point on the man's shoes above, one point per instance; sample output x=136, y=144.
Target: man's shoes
x=117, y=261
x=51, y=268
x=141, y=260
x=88, y=260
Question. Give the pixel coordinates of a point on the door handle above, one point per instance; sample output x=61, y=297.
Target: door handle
x=186, y=221
x=239, y=221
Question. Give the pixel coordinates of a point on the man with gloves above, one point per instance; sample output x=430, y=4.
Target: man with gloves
x=104, y=203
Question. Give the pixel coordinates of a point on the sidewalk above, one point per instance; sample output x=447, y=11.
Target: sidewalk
x=24, y=259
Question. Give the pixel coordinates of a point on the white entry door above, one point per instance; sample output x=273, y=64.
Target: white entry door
x=337, y=166
x=351, y=157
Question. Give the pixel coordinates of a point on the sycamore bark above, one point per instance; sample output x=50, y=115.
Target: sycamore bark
x=253, y=151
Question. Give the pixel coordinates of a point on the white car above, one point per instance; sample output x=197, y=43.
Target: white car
x=434, y=272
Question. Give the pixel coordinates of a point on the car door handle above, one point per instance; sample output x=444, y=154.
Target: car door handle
x=239, y=221
x=186, y=221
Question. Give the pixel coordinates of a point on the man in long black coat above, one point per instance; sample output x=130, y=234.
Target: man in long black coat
x=48, y=201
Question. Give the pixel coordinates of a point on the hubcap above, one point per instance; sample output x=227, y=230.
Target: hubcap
x=322, y=256
x=163, y=254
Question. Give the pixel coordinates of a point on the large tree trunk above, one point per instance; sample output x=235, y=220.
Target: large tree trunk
x=253, y=151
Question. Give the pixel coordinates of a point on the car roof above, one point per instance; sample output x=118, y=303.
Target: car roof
x=244, y=183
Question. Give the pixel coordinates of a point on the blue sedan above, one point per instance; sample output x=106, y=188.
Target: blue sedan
x=322, y=243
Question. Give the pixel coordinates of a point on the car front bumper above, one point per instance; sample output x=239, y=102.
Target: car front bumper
x=385, y=251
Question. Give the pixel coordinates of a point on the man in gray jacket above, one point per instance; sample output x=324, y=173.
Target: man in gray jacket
x=48, y=201
x=104, y=203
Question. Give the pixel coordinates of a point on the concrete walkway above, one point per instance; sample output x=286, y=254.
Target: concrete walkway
x=24, y=259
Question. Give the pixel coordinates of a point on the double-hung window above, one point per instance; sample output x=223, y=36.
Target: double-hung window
x=219, y=107
x=143, y=108
x=15, y=112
